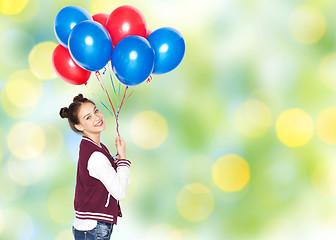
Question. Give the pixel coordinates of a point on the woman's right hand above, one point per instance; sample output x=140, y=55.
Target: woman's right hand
x=121, y=147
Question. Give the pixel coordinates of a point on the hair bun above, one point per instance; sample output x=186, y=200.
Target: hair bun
x=64, y=112
x=78, y=98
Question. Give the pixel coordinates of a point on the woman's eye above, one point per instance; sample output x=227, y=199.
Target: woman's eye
x=88, y=118
x=96, y=111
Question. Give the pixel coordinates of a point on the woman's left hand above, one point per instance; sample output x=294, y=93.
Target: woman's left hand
x=121, y=147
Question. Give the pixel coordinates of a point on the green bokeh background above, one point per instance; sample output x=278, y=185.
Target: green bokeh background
x=278, y=53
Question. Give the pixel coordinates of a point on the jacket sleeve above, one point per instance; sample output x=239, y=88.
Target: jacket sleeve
x=115, y=182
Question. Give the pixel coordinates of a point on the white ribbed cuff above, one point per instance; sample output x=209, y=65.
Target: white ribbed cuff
x=124, y=163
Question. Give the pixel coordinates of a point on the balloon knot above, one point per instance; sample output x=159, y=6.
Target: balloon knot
x=149, y=79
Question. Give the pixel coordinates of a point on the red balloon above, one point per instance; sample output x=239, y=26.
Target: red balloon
x=148, y=32
x=101, y=18
x=66, y=68
x=125, y=21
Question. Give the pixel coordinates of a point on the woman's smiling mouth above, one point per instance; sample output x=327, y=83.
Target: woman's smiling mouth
x=100, y=123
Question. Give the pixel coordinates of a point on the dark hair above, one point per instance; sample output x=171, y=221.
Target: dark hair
x=71, y=112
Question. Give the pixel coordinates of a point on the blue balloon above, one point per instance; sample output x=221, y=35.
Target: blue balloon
x=169, y=48
x=66, y=19
x=90, y=45
x=132, y=60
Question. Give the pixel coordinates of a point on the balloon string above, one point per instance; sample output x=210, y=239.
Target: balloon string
x=106, y=108
x=117, y=128
x=122, y=102
x=117, y=121
x=112, y=81
x=119, y=108
x=129, y=95
x=98, y=75
x=119, y=89
x=116, y=115
x=100, y=82
x=112, y=107
x=93, y=95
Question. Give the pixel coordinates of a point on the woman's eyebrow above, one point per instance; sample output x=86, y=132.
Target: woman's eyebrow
x=89, y=113
x=86, y=115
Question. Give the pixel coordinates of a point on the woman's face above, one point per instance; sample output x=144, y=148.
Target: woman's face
x=91, y=120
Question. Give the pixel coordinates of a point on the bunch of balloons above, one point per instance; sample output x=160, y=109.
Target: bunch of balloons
x=88, y=43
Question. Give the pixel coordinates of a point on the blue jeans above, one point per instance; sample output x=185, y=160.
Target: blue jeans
x=103, y=230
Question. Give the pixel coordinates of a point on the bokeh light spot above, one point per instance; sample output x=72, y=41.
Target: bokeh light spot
x=26, y=172
x=326, y=126
x=167, y=232
x=193, y=169
x=8, y=190
x=60, y=206
x=21, y=94
x=65, y=235
x=21, y=89
x=15, y=45
x=12, y=110
x=18, y=224
x=26, y=140
x=40, y=60
x=307, y=25
x=231, y=173
x=183, y=234
x=11, y=7
x=327, y=71
x=324, y=179
x=54, y=142
x=252, y=118
x=1, y=223
x=107, y=6
x=294, y=127
x=149, y=130
x=195, y=202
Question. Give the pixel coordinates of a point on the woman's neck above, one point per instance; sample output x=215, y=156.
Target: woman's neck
x=93, y=137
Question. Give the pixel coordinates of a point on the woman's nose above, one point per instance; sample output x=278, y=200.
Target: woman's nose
x=96, y=117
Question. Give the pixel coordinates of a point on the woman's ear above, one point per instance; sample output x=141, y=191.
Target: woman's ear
x=79, y=127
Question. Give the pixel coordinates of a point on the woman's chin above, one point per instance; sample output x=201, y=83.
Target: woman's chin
x=102, y=127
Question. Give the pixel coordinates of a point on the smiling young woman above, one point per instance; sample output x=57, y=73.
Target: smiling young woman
x=101, y=179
